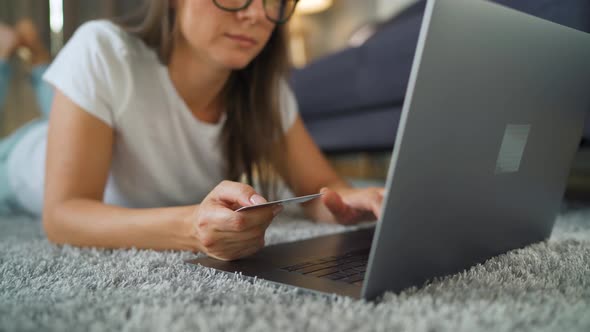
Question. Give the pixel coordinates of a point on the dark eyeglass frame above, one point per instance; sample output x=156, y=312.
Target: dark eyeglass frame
x=247, y=4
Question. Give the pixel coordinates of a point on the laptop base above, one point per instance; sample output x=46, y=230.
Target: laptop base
x=269, y=262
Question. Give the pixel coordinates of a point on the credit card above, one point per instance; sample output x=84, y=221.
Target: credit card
x=300, y=199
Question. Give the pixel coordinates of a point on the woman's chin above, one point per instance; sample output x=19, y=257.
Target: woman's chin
x=236, y=63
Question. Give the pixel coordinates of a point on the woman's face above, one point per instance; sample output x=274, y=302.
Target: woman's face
x=229, y=39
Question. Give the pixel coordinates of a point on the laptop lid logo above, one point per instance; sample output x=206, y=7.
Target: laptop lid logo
x=512, y=148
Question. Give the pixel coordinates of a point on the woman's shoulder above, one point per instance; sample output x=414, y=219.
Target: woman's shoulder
x=97, y=70
x=106, y=36
x=102, y=32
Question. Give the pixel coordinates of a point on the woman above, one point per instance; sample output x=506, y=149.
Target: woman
x=150, y=118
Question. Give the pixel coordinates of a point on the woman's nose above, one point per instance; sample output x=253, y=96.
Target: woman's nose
x=253, y=13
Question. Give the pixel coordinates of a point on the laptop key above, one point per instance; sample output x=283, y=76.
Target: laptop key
x=328, y=259
x=314, y=268
x=297, y=266
x=350, y=265
x=335, y=276
x=306, y=264
x=348, y=260
x=348, y=272
x=324, y=272
x=353, y=279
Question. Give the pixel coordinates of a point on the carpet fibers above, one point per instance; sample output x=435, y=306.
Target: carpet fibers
x=544, y=287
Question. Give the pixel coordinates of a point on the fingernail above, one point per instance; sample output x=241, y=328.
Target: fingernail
x=257, y=199
x=276, y=210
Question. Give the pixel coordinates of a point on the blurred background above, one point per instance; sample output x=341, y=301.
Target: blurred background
x=351, y=62
x=56, y=21
x=321, y=27
x=318, y=29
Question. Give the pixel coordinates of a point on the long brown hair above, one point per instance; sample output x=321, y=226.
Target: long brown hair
x=252, y=137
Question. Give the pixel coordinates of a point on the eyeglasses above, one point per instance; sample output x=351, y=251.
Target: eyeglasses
x=277, y=11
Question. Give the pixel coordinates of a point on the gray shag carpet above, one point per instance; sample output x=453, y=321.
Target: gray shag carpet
x=544, y=287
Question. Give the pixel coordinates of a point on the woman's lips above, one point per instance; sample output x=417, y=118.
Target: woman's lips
x=242, y=40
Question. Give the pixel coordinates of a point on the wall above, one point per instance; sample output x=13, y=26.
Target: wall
x=77, y=12
x=388, y=8
x=329, y=31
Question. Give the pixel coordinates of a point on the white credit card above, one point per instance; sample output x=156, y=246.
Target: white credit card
x=300, y=199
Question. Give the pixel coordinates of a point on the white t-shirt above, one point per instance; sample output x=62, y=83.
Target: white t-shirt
x=162, y=155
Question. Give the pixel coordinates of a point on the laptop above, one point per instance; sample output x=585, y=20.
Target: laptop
x=492, y=119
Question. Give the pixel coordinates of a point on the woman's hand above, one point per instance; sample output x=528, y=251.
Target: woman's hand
x=350, y=206
x=225, y=234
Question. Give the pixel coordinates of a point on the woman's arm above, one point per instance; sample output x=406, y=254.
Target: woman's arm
x=79, y=151
x=307, y=171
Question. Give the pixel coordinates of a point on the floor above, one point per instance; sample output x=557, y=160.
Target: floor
x=543, y=287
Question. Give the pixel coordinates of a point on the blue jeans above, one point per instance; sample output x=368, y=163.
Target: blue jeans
x=5, y=74
x=44, y=94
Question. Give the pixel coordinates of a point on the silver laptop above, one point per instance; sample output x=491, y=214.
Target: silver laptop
x=492, y=119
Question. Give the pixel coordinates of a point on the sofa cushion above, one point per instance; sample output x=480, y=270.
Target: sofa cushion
x=344, y=98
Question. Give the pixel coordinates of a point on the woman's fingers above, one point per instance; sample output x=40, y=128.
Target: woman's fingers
x=225, y=220
x=377, y=210
x=234, y=195
x=333, y=201
x=226, y=234
x=227, y=243
x=354, y=205
x=231, y=235
x=236, y=252
x=375, y=201
x=247, y=251
x=228, y=248
x=220, y=244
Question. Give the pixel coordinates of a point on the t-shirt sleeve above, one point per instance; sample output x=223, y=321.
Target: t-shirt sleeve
x=90, y=70
x=289, y=107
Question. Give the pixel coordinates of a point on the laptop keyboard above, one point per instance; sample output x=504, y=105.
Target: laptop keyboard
x=349, y=268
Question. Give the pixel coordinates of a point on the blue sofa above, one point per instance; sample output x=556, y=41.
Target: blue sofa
x=351, y=100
